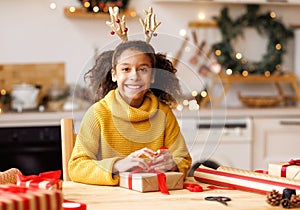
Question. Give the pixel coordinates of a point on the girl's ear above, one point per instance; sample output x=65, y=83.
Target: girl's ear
x=113, y=75
x=153, y=76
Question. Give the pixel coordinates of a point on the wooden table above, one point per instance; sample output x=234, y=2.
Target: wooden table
x=107, y=197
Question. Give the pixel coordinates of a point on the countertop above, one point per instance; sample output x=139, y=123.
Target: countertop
x=29, y=118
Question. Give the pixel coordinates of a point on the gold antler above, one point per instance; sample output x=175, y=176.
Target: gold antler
x=149, y=24
x=117, y=25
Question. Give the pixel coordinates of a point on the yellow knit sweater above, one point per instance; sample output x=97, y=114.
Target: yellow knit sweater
x=111, y=129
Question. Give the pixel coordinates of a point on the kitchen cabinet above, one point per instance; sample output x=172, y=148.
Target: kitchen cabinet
x=271, y=2
x=275, y=140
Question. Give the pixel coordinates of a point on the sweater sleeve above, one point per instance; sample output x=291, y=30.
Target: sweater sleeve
x=85, y=164
x=175, y=141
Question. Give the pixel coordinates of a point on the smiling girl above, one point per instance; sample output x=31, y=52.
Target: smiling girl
x=132, y=121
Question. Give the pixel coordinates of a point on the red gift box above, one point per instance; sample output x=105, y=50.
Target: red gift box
x=22, y=198
x=46, y=180
x=244, y=179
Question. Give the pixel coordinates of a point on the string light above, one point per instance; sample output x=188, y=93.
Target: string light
x=228, y=71
x=267, y=74
x=203, y=93
x=72, y=9
x=278, y=46
x=273, y=15
x=53, y=6
x=179, y=107
x=201, y=16
x=245, y=73
x=218, y=52
x=185, y=102
x=238, y=56
x=194, y=93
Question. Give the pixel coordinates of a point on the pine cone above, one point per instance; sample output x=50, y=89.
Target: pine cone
x=274, y=198
x=286, y=203
x=295, y=200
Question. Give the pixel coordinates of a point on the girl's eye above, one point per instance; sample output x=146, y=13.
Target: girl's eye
x=125, y=69
x=144, y=70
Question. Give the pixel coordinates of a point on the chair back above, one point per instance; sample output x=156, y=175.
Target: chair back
x=68, y=138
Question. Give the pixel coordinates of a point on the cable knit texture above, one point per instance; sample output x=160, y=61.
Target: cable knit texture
x=111, y=130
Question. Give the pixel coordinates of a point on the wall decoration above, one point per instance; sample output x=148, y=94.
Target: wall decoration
x=267, y=24
x=101, y=6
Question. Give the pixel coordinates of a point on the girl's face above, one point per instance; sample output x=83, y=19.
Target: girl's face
x=134, y=75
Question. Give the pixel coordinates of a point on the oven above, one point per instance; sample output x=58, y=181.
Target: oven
x=219, y=141
x=32, y=149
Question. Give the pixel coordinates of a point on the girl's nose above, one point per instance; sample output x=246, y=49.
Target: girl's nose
x=134, y=74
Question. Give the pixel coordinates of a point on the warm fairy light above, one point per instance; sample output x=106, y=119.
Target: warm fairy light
x=245, y=73
x=201, y=16
x=238, y=55
x=203, y=93
x=218, y=52
x=3, y=92
x=267, y=74
x=273, y=15
x=228, y=71
x=185, y=102
x=278, y=46
x=132, y=14
x=193, y=105
x=0, y=110
x=72, y=9
x=179, y=107
x=105, y=9
x=187, y=49
x=86, y=4
x=194, y=93
x=96, y=9
x=182, y=32
x=278, y=67
x=53, y=6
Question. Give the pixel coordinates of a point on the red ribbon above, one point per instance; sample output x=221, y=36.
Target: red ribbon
x=290, y=163
x=51, y=176
x=192, y=187
x=161, y=180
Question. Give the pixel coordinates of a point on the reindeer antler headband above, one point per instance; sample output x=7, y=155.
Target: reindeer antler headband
x=118, y=25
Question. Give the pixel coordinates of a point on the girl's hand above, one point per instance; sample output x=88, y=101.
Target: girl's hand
x=149, y=153
x=134, y=160
x=130, y=163
x=163, y=161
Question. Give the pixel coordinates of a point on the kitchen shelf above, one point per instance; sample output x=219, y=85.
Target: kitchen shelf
x=82, y=13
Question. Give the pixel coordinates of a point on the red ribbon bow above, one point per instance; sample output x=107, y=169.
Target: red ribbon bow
x=290, y=163
x=51, y=176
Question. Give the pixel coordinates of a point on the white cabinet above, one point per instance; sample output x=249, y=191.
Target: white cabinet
x=223, y=141
x=275, y=140
x=274, y=2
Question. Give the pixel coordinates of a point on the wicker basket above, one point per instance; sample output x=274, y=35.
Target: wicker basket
x=260, y=101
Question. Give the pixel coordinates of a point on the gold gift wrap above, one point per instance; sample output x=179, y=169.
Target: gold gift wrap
x=148, y=182
x=292, y=171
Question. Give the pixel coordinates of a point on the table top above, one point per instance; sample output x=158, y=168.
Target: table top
x=114, y=197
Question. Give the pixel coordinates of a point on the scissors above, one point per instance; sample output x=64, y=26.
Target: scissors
x=220, y=199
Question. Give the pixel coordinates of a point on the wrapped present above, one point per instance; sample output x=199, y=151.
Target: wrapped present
x=149, y=182
x=46, y=180
x=244, y=180
x=22, y=198
x=289, y=169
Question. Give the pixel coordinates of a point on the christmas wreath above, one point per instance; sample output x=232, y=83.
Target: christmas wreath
x=101, y=6
x=266, y=24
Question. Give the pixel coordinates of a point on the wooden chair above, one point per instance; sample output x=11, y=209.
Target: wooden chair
x=68, y=138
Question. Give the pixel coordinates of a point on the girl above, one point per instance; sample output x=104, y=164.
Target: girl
x=127, y=127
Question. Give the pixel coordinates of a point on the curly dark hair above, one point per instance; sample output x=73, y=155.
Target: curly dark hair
x=166, y=86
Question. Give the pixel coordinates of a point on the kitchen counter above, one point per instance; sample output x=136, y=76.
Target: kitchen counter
x=30, y=118
x=35, y=118
x=114, y=197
